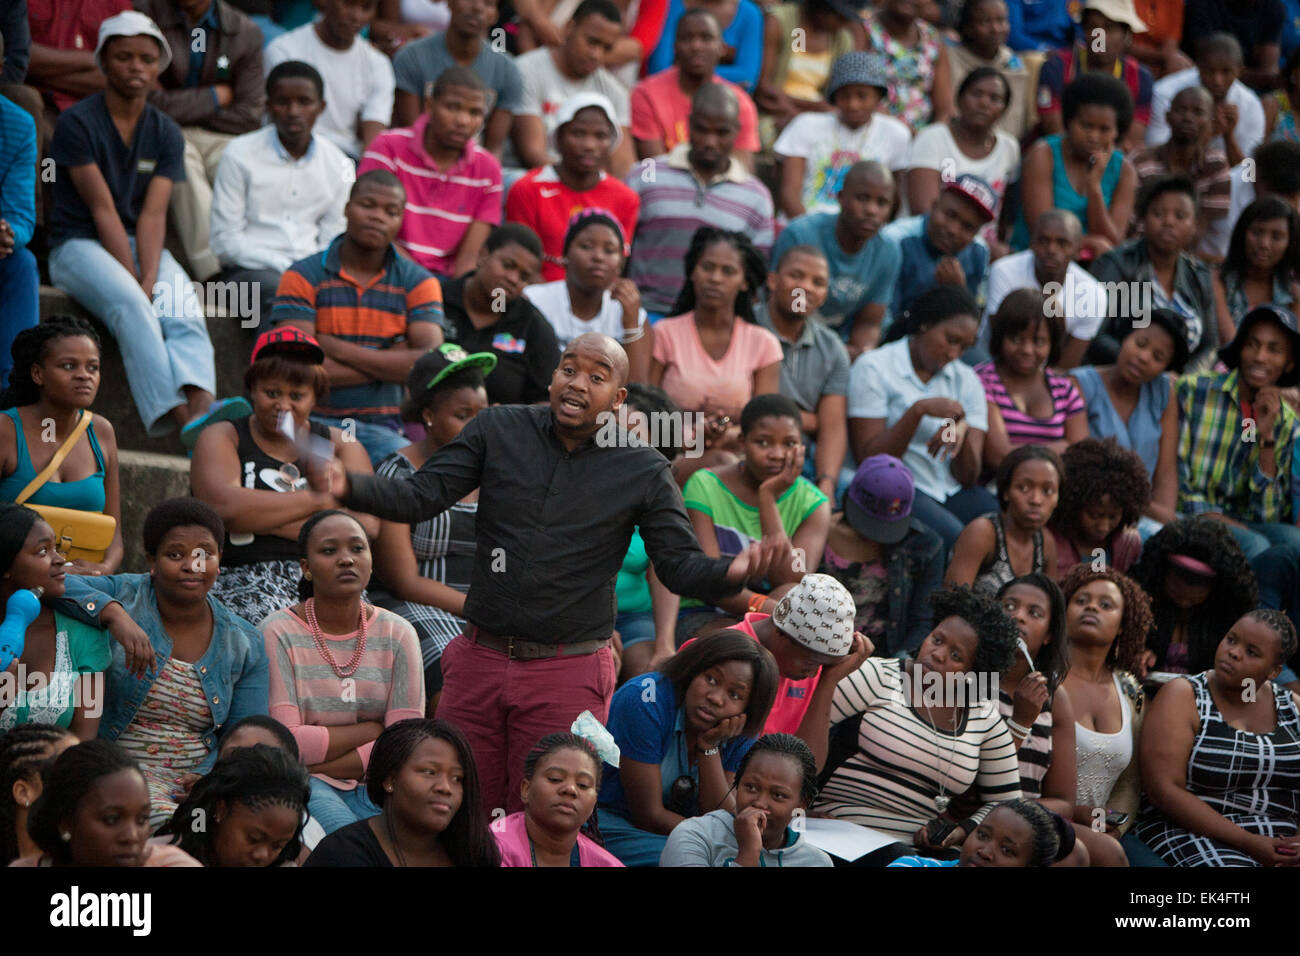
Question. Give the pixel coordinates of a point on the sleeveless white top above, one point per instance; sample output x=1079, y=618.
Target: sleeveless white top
x=1103, y=757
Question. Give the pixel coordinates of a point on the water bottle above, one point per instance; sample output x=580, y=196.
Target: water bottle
x=22, y=608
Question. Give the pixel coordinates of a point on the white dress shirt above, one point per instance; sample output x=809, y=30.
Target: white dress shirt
x=268, y=209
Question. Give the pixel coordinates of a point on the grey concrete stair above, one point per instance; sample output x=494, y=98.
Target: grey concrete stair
x=231, y=343
x=147, y=479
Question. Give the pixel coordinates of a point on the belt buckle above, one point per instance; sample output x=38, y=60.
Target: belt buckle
x=510, y=648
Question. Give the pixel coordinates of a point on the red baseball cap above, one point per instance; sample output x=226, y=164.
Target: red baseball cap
x=290, y=340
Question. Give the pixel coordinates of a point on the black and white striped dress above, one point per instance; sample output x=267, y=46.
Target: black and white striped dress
x=1251, y=779
x=444, y=550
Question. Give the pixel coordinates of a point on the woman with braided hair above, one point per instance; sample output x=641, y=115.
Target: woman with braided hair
x=712, y=357
x=559, y=789
x=23, y=752
x=55, y=380
x=1199, y=582
x=776, y=782
x=59, y=677
x=1015, y=833
x=248, y=811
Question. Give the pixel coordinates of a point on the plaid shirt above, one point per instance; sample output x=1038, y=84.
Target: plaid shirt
x=1218, y=469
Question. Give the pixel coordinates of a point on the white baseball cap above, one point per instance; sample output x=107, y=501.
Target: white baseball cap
x=581, y=101
x=818, y=613
x=132, y=23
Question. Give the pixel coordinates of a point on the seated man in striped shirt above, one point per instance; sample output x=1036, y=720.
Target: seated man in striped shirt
x=453, y=184
x=374, y=312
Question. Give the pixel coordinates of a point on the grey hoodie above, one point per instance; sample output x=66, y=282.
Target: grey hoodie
x=710, y=840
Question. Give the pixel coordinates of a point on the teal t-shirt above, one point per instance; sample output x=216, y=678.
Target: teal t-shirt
x=737, y=524
x=79, y=649
x=631, y=587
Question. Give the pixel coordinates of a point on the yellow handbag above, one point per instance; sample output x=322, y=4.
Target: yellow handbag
x=78, y=535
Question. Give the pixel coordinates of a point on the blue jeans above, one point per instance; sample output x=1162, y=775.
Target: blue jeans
x=635, y=627
x=632, y=846
x=948, y=518
x=1138, y=853
x=164, y=342
x=1278, y=573
x=334, y=808
x=20, y=304
x=378, y=440
x=1258, y=536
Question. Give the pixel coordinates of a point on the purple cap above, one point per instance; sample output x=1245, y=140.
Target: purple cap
x=977, y=191
x=878, y=504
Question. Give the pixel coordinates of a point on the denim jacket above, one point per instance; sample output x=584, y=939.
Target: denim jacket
x=232, y=671
x=915, y=570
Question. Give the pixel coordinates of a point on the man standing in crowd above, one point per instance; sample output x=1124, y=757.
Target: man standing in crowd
x=556, y=513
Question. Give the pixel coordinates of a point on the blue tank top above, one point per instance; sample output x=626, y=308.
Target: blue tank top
x=84, y=495
x=1064, y=195
x=1141, y=433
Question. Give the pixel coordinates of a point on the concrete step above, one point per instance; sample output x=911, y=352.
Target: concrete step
x=147, y=479
x=230, y=342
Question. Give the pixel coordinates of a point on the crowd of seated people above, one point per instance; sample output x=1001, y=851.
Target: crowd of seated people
x=657, y=434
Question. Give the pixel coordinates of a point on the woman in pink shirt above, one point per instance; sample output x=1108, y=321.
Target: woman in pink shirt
x=341, y=670
x=712, y=357
x=561, y=780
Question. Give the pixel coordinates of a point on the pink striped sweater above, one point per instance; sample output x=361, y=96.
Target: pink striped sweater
x=308, y=697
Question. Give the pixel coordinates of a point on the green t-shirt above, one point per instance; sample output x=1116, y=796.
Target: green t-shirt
x=736, y=523
x=632, y=587
x=79, y=649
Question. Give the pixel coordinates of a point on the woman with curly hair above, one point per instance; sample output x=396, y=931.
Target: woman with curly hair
x=1107, y=618
x=908, y=736
x=1199, y=582
x=1103, y=497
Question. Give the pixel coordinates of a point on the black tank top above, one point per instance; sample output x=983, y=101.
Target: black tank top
x=259, y=470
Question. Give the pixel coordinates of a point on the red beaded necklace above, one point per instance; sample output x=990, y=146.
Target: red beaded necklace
x=350, y=668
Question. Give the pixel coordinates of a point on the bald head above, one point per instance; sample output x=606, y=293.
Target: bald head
x=716, y=101
x=1061, y=219
x=1193, y=94
x=868, y=171
x=603, y=350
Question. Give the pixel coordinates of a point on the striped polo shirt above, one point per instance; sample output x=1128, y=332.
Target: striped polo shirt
x=674, y=203
x=901, y=762
x=376, y=315
x=1023, y=428
x=440, y=206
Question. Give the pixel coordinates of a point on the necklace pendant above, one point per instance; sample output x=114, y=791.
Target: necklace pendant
x=941, y=802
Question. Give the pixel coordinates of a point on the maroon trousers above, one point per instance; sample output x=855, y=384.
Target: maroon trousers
x=504, y=707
